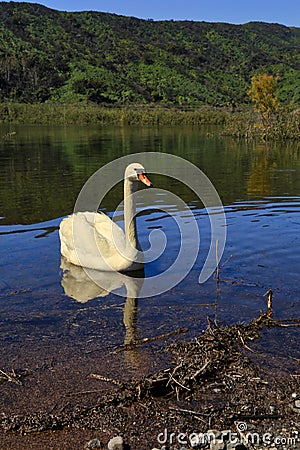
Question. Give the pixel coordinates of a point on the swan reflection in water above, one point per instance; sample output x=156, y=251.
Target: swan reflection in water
x=83, y=285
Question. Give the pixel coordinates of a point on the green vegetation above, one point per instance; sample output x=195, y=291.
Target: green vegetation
x=95, y=68
x=273, y=121
x=263, y=96
x=49, y=56
x=85, y=114
x=284, y=125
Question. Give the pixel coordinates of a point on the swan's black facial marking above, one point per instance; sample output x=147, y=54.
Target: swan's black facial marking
x=139, y=171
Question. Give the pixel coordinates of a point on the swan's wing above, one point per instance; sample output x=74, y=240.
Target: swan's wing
x=99, y=229
x=88, y=238
x=107, y=228
x=109, y=236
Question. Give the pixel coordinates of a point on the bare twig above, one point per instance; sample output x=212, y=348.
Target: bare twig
x=152, y=339
x=290, y=320
x=217, y=260
x=189, y=411
x=244, y=344
x=106, y=379
x=73, y=394
x=201, y=369
x=269, y=295
x=179, y=384
x=225, y=262
x=12, y=378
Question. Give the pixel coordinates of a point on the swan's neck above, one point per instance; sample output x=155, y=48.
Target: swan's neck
x=129, y=213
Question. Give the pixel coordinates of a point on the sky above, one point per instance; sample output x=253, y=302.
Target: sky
x=286, y=12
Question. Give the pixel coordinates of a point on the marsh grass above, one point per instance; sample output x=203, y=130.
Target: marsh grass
x=85, y=114
x=285, y=125
x=240, y=124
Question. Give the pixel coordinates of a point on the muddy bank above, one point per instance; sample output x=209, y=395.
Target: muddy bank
x=219, y=380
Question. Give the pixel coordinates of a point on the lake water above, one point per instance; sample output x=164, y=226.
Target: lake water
x=42, y=171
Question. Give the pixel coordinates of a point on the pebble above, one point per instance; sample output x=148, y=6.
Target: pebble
x=236, y=446
x=162, y=448
x=94, y=443
x=217, y=445
x=231, y=446
x=296, y=407
x=294, y=395
x=198, y=441
x=194, y=441
x=116, y=443
x=213, y=434
x=216, y=440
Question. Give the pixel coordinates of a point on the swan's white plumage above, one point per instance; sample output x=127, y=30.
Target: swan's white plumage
x=98, y=244
x=93, y=240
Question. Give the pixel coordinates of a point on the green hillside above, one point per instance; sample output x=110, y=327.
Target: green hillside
x=53, y=56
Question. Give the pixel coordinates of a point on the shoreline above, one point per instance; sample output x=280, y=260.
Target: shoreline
x=240, y=123
x=213, y=382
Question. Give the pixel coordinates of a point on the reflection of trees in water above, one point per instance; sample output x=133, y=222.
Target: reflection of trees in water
x=272, y=169
x=260, y=178
x=44, y=168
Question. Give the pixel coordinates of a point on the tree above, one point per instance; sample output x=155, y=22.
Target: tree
x=262, y=94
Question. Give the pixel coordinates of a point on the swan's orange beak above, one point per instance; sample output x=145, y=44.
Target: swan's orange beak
x=144, y=179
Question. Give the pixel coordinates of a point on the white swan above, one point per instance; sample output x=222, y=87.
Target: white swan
x=94, y=241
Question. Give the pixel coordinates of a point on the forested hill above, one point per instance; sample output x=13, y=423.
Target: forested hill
x=48, y=55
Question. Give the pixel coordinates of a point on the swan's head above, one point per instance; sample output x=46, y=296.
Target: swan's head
x=136, y=172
